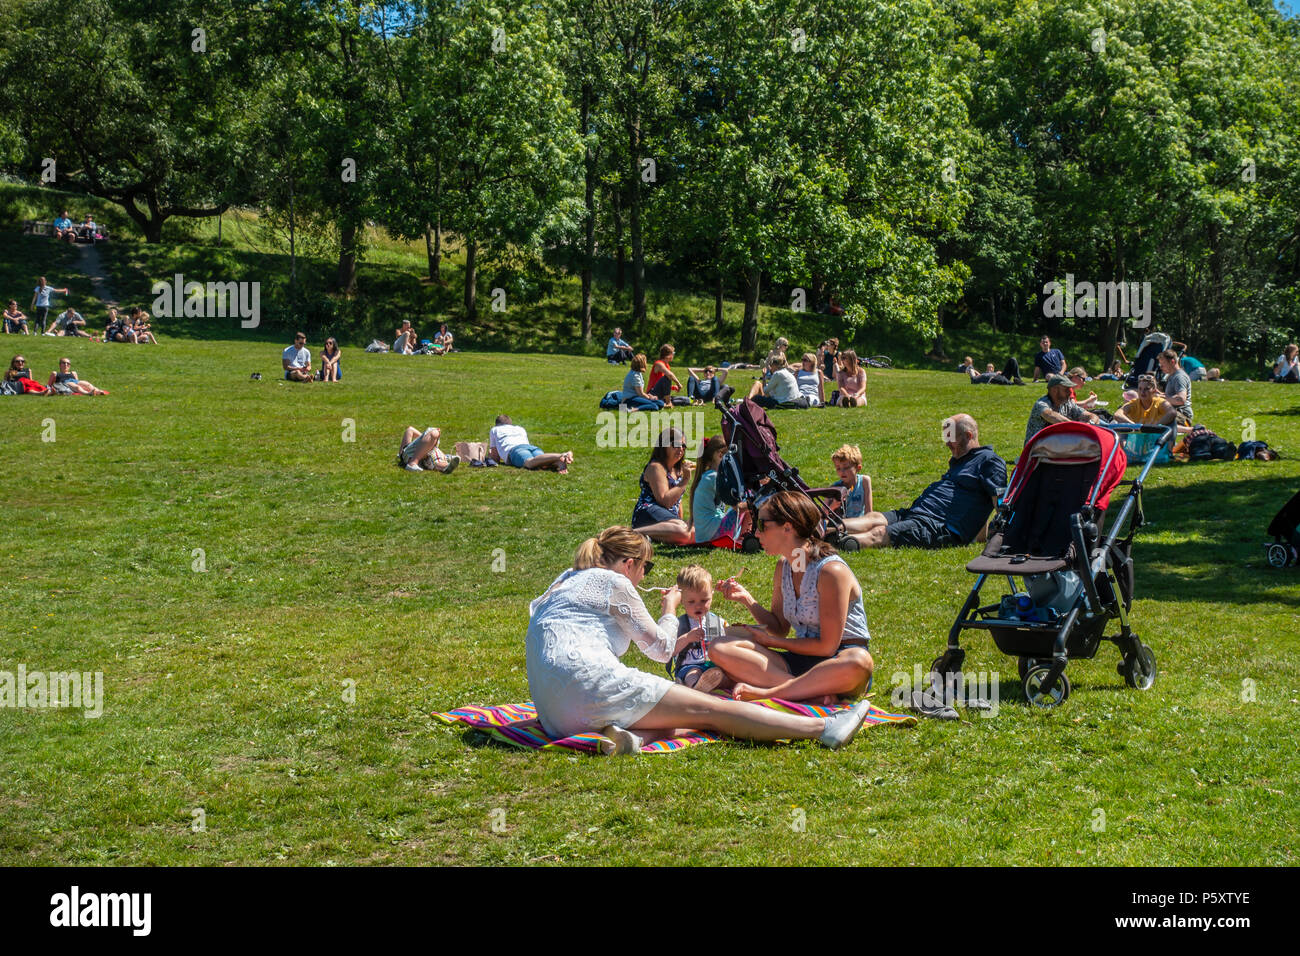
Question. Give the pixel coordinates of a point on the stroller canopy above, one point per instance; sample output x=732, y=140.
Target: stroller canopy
x=1072, y=443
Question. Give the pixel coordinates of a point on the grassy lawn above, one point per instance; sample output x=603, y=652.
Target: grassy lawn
x=324, y=564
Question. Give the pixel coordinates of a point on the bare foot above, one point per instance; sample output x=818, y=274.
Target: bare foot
x=747, y=692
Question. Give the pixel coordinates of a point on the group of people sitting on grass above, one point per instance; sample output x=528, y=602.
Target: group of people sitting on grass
x=951, y=511
x=507, y=444
x=65, y=230
x=407, y=342
x=296, y=360
x=19, y=379
x=133, y=327
x=779, y=386
x=590, y=615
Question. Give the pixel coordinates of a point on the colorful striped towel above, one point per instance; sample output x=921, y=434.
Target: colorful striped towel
x=517, y=725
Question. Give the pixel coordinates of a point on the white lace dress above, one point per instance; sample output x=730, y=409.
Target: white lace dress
x=579, y=629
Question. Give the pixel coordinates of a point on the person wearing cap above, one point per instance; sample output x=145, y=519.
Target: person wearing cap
x=1056, y=406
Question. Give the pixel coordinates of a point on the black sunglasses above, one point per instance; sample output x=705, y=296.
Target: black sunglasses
x=760, y=522
x=648, y=565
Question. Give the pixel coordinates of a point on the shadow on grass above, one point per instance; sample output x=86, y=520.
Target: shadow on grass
x=1223, y=520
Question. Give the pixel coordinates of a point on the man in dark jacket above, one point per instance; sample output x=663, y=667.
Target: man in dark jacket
x=951, y=511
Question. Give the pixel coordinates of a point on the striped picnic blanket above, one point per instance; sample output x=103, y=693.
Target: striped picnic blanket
x=517, y=725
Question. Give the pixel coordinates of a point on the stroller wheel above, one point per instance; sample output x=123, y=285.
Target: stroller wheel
x=1279, y=555
x=1139, y=671
x=1024, y=665
x=949, y=662
x=1037, y=695
x=751, y=545
x=849, y=543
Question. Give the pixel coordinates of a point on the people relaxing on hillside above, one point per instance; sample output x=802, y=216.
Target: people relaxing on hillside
x=634, y=394
x=329, y=361
x=508, y=443
x=828, y=358
x=662, y=381
x=658, y=510
x=296, y=360
x=65, y=376
x=15, y=321
x=119, y=328
x=1287, y=367
x=419, y=451
x=1116, y=373
x=63, y=228
x=404, y=340
x=1178, y=386
x=851, y=381
x=951, y=511
x=703, y=384
x=442, y=340
x=781, y=389
x=812, y=383
x=17, y=369
x=616, y=350
x=815, y=594
x=70, y=323
x=847, y=461
x=1048, y=361
x=1056, y=406
x=586, y=621
x=714, y=522
x=140, y=326
x=1149, y=408
x=1078, y=378
x=1010, y=374
x=88, y=231
x=41, y=302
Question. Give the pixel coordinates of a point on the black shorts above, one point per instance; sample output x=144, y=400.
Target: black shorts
x=908, y=530
x=801, y=664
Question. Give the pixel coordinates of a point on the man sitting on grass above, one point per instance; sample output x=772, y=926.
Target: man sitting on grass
x=1056, y=406
x=951, y=511
x=508, y=442
x=297, y=360
x=617, y=351
x=72, y=324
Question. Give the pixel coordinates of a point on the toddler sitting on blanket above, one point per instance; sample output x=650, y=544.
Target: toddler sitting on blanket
x=692, y=666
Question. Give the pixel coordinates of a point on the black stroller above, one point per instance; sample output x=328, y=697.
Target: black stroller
x=753, y=468
x=1049, y=531
x=1284, y=551
x=1146, y=362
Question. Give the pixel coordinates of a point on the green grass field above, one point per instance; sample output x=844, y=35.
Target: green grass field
x=226, y=688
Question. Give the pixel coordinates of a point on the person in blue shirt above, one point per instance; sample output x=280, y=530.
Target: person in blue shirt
x=1048, y=361
x=847, y=460
x=617, y=351
x=951, y=511
x=63, y=228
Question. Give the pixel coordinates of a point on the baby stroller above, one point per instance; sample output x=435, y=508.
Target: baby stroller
x=1285, y=529
x=752, y=468
x=1146, y=361
x=1050, y=531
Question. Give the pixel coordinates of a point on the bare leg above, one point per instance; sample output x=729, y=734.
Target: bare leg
x=744, y=659
x=549, y=460
x=684, y=707
x=842, y=676
x=669, y=532
x=877, y=537
x=757, y=389
x=868, y=521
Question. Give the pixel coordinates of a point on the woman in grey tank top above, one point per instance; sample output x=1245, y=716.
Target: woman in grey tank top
x=815, y=595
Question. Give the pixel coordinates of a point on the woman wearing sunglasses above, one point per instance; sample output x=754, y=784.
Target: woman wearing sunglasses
x=586, y=621
x=814, y=593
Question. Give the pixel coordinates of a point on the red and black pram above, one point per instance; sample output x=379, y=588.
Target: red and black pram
x=1050, y=531
x=752, y=468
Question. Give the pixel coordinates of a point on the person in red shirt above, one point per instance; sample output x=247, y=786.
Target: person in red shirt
x=662, y=380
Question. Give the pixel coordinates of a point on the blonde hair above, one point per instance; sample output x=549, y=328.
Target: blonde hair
x=809, y=357
x=693, y=577
x=639, y=362
x=849, y=454
x=611, y=546
x=776, y=361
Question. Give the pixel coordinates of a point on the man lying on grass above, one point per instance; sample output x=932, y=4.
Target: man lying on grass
x=508, y=443
x=951, y=511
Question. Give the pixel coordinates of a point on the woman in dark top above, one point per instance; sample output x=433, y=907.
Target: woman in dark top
x=66, y=376
x=329, y=362
x=658, y=511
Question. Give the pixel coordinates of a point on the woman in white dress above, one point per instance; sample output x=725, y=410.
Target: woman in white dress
x=585, y=622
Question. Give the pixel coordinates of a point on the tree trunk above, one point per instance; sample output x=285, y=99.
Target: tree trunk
x=634, y=226
x=616, y=202
x=346, y=279
x=293, y=247
x=589, y=244
x=433, y=252
x=471, y=278
x=993, y=312
x=749, y=327
x=717, y=301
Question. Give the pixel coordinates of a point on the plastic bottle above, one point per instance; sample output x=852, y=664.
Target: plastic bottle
x=1025, y=608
